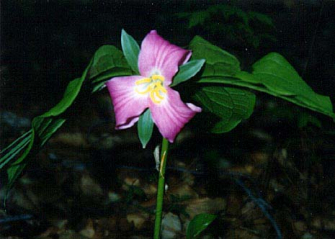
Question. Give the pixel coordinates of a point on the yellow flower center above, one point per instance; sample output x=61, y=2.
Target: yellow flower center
x=152, y=86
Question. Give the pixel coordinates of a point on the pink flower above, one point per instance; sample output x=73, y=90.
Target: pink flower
x=158, y=62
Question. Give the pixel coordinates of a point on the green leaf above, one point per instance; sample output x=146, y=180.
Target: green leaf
x=108, y=58
x=130, y=50
x=218, y=61
x=71, y=92
x=145, y=127
x=107, y=62
x=232, y=105
x=52, y=127
x=18, y=140
x=277, y=74
x=247, y=77
x=99, y=82
x=107, y=75
x=259, y=87
x=16, y=168
x=272, y=74
x=43, y=127
x=198, y=224
x=15, y=150
x=187, y=71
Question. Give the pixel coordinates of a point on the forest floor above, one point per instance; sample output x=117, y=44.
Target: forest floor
x=268, y=178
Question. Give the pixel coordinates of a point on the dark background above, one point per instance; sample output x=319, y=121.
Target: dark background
x=45, y=44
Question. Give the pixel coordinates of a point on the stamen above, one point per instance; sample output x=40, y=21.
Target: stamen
x=157, y=77
x=147, y=90
x=153, y=86
x=152, y=96
x=145, y=80
x=158, y=95
x=163, y=90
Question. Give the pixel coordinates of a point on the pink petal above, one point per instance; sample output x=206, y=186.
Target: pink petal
x=158, y=56
x=172, y=114
x=128, y=105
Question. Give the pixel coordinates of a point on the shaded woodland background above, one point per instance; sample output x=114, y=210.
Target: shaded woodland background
x=94, y=182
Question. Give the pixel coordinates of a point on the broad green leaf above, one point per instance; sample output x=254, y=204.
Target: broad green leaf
x=198, y=224
x=145, y=127
x=218, y=61
x=272, y=74
x=277, y=74
x=187, y=71
x=232, y=81
x=107, y=75
x=130, y=50
x=232, y=105
x=247, y=77
x=108, y=62
x=108, y=58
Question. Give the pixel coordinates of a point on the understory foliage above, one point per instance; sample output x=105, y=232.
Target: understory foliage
x=232, y=22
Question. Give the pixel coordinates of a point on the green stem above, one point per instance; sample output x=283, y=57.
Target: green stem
x=160, y=189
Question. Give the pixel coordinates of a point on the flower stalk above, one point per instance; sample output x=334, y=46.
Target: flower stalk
x=161, y=188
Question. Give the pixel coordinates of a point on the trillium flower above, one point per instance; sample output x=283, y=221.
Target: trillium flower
x=158, y=62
